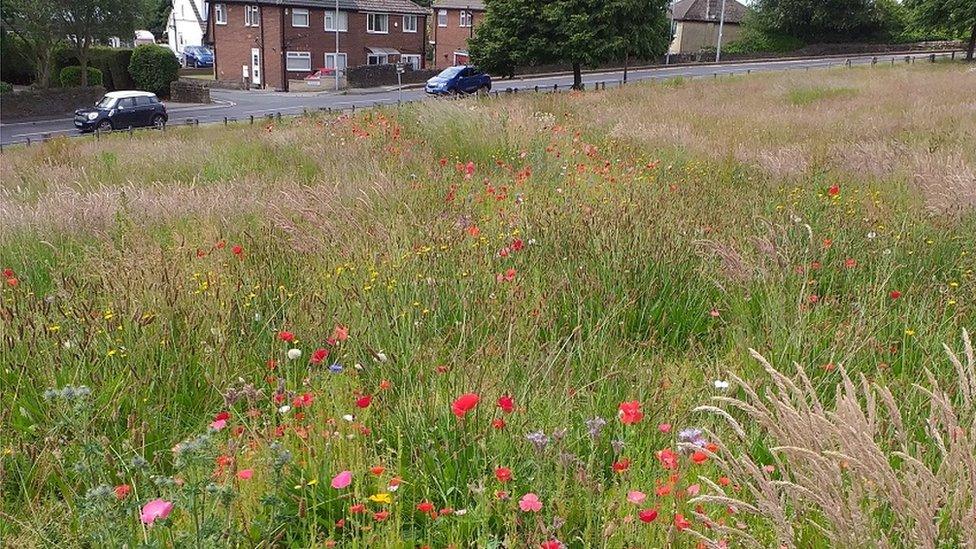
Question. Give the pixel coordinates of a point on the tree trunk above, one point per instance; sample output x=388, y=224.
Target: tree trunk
x=972, y=44
x=82, y=51
x=42, y=65
x=577, y=76
x=626, y=59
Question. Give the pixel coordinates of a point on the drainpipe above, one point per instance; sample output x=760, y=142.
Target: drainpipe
x=264, y=74
x=284, y=58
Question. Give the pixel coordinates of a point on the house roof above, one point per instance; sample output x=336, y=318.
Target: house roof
x=475, y=5
x=709, y=10
x=382, y=6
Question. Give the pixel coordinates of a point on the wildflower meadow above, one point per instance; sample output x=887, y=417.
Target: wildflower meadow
x=694, y=313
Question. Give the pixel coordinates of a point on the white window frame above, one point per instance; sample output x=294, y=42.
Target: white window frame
x=465, y=19
x=332, y=55
x=381, y=59
x=371, y=20
x=412, y=58
x=300, y=11
x=298, y=55
x=441, y=18
x=220, y=14
x=343, y=21
x=414, y=19
x=252, y=15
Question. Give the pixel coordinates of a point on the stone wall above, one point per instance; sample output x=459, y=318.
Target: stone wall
x=189, y=91
x=50, y=103
x=370, y=76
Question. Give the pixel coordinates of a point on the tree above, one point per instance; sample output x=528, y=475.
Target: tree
x=37, y=23
x=956, y=16
x=88, y=21
x=820, y=20
x=582, y=33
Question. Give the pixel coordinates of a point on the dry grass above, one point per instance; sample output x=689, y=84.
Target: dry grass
x=913, y=125
x=854, y=470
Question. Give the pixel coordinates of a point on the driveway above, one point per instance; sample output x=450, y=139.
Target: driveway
x=239, y=105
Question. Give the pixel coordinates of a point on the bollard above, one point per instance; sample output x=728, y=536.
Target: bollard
x=848, y=63
x=130, y=132
x=892, y=61
x=537, y=89
x=714, y=75
x=98, y=134
x=748, y=71
x=874, y=61
x=252, y=119
x=304, y=111
x=952, y=56
x=908, y=59
x=28, y=141
x=225, y=120
x=354, y=107
x=932, y=58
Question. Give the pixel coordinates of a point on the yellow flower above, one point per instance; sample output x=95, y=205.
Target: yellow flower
x=382, y=497
x=54, y=328
x=909, y=332
x=313, y=482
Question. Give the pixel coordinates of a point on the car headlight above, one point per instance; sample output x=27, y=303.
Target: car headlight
x=92, y=115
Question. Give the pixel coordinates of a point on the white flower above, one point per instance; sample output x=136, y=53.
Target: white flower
x=460, y=512
x=257, y=317
x=872, y=234
x=294, y=354
x=284, y=409
x=721, y=384
x=348, y=417
x=392, y=488
x=381, y=356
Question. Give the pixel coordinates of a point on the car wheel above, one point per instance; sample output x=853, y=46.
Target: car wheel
x=158, y=121
x=105, y=126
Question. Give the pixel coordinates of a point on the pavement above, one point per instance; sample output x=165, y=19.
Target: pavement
x=238, y=105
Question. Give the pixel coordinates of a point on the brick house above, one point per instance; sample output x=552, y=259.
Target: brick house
x=268, y=42
x=696, y=24
x=454, y=22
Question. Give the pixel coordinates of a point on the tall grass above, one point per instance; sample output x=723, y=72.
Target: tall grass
x=548, y=248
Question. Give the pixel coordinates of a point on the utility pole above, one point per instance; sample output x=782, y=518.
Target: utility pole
x=667, y=56
x=721, y=25
x=335, y=62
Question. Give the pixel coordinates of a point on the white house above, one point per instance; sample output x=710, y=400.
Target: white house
x=186, y=24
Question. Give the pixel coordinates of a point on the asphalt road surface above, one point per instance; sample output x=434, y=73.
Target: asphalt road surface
x=241, y=105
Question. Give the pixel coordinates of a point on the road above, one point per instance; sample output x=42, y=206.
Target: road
x=241, y=105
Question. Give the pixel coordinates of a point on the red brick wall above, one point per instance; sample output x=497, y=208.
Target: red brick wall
x=233, y=42
x=453, y=37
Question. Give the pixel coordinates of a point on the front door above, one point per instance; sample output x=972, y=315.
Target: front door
x=256, y=66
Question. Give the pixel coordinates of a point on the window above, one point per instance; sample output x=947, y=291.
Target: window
x=442, y=18
x=330, y=61
x=465, y=19
x=412, y=60
x=127, y=103
x=378, y=23
x=330, y=21
x=143, y=101
x=298, y=61
x=409, y=23
x=252, y=16
x=377, y=59
x=220, y=14
x=299, y=17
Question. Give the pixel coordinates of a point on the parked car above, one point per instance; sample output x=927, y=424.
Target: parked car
x=458, y=79
x=119, y=110
x=198, y=57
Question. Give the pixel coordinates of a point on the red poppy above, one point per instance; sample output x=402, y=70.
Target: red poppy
x=894, y=294
x=517, y=244
x=425, y=507
x=122, y=491
x=681, y=523
x=377, y=470
x=724, y=481
x=222, y=416
x=503, y=474
x=473, y=230
x=662, y=490
x=551, y=544
x=464, y=404
x=340, y=523
x=506, y=403
x=621, y=466
x=12, y=281
x=286, y=336
x=850, y=263
x=507, y=276
x=469, y=170
x=221, y=245
x=385, y=384
x=380, y=516
x=699, y=457
x=442, y=162
x=237, y=250
x=813, y=299
x=647, y=515
x=8, y=272
x=357, y=508
x=668, y=459
x=340, y=333
x=318, y=355
x=630, y=412
x=498, y=423
x=834, y=190
x=364, y=401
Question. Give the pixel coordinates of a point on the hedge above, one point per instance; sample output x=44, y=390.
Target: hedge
x=113, y=62
x=18, y=61
x=5, y=87
x=153, y=68
x=70, y=77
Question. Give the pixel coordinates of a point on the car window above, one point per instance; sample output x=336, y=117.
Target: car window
x=450, y=72
x=143, y=101
x=106, y=103
x=127, y=102
x=466, y=73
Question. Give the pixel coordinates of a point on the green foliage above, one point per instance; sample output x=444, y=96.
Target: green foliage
x=70, y=77
x=583, y=33
x=5, y=87
x=805, y=96
x=819, y=20
x=113, y=62
x=18, y=65
x=755, y=40
x=39, y=26
x=153, y=68
x=957, y=18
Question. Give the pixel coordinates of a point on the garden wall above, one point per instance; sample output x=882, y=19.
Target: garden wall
x=50, y=103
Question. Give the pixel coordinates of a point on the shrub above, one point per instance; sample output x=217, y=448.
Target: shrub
x=113, y=62
x=71, y=76
x=18, y=64
x=5, y=87
x=153, y=68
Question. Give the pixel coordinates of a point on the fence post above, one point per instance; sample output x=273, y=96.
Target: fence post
x=130, y=132
x=537, y=88
x=28, y=141
x=932, y=58
x=874, y=61
x=555, y=87
x=953, y=56
x=278, y=116
x=848, y=63
x=225, y=120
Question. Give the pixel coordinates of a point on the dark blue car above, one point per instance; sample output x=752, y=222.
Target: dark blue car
x=198, y=57
x=457, y=80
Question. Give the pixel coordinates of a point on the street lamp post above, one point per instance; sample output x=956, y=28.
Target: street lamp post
x=721, y=25
x=667, y=56
x=335, y=62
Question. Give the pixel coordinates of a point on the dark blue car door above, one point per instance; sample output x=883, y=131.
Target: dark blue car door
x=125, y=113
x=464, y=80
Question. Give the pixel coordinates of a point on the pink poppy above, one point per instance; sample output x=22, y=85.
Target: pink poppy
x=342, y=480
x=218, y=424
x=530, y=503
x=636, y=497
x=156, y=509
x=245, y=474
